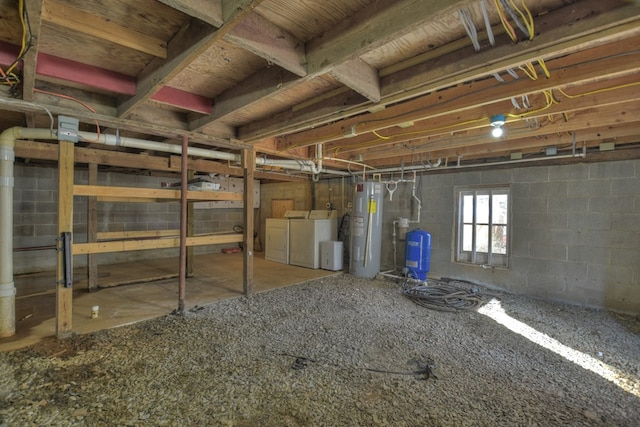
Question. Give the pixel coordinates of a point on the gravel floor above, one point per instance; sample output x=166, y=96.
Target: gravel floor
x=333, y=352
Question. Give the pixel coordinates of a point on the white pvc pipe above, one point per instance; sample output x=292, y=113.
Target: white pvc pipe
x=143, y=144
x=7, y=286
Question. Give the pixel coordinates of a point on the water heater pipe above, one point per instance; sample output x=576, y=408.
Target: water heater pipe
x=367, y=243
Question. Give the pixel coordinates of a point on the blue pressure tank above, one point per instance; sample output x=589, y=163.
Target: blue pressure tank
x=418, y=254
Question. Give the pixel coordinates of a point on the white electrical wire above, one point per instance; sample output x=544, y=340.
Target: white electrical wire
x=512, y=73
x=487, y=23
x=470, y=27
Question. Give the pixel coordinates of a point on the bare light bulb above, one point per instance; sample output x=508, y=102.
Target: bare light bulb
x=497, y=132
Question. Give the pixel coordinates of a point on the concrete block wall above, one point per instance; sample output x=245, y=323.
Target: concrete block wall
x=575, y=232
x=35, y=217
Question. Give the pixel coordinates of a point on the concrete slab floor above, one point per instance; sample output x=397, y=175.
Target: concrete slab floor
x=216, y=276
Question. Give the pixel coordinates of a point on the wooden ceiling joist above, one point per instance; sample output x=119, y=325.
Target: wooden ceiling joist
x=59, y=13
x=263, y=38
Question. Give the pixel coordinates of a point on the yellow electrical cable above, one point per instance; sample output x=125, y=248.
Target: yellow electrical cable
x=9, y=74
x=366, y=144
x=508, y=28
x=532, y=33
x=530, y=71
x=528, y=113
x=544, y=68
x=527, y=23
x=593, y=92
x=380, y=136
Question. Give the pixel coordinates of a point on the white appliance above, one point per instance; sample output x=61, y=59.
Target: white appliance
x=305, y=236
x=331, y=254
x=277, y=236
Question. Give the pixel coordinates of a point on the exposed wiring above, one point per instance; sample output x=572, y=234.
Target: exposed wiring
x=544, y=68
x=366, y=144
x=71, y=98
x=505, y=23
x=487, y=23
x=8, y=76
x=527, y=20
x=529, y=70
x=380, y=136
x=470, y=28
x=593, y=92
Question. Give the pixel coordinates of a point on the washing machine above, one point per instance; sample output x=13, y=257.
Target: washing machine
x=277, y=236
x=305, y=236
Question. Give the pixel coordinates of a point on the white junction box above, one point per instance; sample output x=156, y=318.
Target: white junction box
x=331, y=255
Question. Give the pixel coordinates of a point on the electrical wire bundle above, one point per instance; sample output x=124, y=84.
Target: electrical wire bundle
x=442, y=296
x=8, y=76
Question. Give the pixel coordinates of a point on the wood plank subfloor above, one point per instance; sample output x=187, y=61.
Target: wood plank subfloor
x=216, y=276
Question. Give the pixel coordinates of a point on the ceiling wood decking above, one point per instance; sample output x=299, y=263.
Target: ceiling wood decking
x=377, y=82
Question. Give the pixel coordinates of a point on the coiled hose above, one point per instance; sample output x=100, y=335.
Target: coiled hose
x=442, y=296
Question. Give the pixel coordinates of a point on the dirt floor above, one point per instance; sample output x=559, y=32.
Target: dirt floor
x=337, y=351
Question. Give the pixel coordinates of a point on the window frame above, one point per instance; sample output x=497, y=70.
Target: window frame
x=475, y=256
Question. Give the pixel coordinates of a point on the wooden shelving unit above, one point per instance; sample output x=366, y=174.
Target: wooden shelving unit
x=141, y=240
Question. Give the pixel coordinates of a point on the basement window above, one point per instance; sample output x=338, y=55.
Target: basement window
x=483, y=232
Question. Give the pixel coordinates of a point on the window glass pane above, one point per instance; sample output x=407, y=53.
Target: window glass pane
x=467, y=209
x=499, y=239
x=482, y=209
x=499, y=209
x=467, y=237
x=482, y=238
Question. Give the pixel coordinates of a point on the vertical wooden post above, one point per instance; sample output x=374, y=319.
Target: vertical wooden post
x=183, y=225
x=92, y=230
x=64, y=295
x=249, y=165
x=190, y=231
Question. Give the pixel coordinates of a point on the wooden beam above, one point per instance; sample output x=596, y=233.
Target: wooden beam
x=92, y=230
x=145, y=244
x=45, y=151
x=263, y=38
x=191, y=224
x=162, y=129
x=569, y=28
x=359, y=76
x=597, y=94
x=390, y=18
x=209, y=11
x=64, y=294
x=153, y=81
x=586, y=124
x=466, y=97
x=373, y=27
x=248, y=165
x=152, y=193
x=121, y=235
x=184, y=178
x=30, y=60
x=270, y=82
x=78, y=20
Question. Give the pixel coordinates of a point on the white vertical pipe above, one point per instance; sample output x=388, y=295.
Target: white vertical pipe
x=7, y=286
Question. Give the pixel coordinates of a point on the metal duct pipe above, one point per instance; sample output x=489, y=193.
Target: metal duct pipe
x=7, y=286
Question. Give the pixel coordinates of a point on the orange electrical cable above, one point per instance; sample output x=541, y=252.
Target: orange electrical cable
x=71, y=98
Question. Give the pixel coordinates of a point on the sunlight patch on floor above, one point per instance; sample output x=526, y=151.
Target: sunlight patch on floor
x=628, y=383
